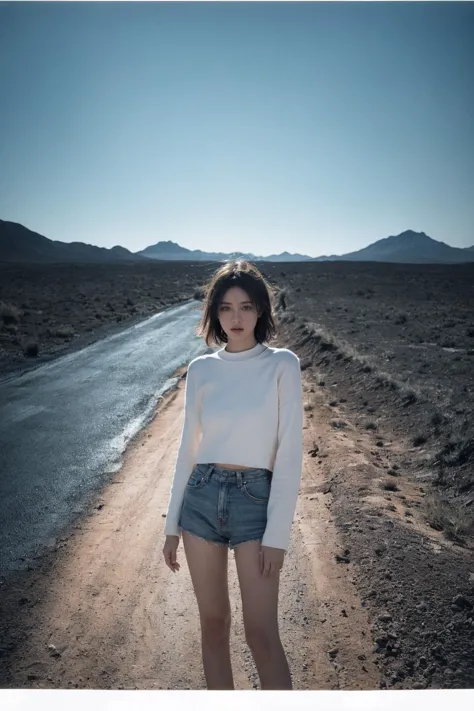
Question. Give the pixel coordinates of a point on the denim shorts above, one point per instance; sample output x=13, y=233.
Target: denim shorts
x=226, y=506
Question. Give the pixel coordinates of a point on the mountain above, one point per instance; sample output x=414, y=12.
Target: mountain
x=409, y=248
x=287, y=257
x=19, y=244
x=172, y=250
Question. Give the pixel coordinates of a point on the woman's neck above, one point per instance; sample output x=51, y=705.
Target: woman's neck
x=240, y=347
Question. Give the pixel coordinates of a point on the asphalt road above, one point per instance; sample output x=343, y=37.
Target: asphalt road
x=65, y=425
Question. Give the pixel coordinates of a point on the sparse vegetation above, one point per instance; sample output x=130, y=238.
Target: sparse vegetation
x=455, y=453
x=63, y=332
x=31, y=350
x=409, y=397
x=9, y=314
x=339, y=424
x=437, y=419
x=282, y=298
x=199, y=294
x=288, y=317
x=456, y=522
x=401, y=319
x=389, y=485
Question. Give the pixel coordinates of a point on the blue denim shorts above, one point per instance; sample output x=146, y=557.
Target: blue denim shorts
x=226, y=506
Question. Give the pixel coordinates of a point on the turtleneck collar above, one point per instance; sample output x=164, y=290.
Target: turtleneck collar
x=241, y=355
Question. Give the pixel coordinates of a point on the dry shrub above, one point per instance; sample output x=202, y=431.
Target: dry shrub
x=388, y=485
x=456, y=453
x=282, y=297
x=31, y=350
x=288, y=317
x=454, y=520
x=9, y=313
x=339, y=424
x=63, y=332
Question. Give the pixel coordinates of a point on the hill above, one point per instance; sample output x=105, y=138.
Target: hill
x=407, y=248
x=19, y=244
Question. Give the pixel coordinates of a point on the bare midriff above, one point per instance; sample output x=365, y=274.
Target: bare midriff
x=231, y=466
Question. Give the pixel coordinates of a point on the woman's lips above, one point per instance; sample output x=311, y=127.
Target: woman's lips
x=237, y=329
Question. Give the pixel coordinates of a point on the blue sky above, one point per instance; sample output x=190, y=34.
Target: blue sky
x=309, y=127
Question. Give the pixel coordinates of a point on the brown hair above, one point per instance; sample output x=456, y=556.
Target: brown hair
x=246, y=276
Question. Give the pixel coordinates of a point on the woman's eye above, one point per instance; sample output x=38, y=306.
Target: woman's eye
x=247, y=307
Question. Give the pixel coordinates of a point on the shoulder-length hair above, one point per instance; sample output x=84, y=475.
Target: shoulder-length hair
x=246, y=276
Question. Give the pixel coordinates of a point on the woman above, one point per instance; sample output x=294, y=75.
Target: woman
x=238, y=472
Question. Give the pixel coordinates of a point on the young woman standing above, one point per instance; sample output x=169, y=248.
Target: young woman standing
x=238, y=472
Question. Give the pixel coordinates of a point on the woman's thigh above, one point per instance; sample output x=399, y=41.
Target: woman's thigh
x=208, y=567
x=259, y=593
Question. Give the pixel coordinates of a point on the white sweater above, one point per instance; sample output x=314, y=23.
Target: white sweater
x=245, y=409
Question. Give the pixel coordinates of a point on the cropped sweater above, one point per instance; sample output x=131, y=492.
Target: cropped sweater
x=245, y=409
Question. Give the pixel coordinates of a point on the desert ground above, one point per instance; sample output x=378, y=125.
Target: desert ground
x=377, y=590
x=47, y=310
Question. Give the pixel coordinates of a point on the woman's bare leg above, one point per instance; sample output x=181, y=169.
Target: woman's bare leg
x=260, y=609
x=207, y=563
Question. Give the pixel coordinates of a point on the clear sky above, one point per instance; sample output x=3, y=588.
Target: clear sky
x=309, y=127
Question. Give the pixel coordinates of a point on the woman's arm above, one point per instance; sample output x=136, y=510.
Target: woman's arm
x=289, y=456
x=190, y=436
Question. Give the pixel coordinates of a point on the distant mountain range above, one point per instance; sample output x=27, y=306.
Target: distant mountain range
x=172, y=250
x=19, y=244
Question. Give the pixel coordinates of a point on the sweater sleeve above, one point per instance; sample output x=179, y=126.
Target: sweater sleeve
x=289, y=456
x=190, y=436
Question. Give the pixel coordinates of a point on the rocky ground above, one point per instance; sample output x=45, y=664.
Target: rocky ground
x=392, y=348
x=379, y=589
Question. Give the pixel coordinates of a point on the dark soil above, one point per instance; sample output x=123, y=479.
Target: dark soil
x=402, y=336
x=393, y=346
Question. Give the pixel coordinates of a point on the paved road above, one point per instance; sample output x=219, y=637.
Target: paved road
x=65, y=425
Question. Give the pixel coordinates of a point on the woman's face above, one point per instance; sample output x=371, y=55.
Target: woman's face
x=238, y=316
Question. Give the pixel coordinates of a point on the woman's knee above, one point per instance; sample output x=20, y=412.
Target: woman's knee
x=215, y=628
x=261, y=638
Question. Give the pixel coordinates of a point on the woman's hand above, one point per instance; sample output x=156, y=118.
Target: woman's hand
x=271, y=560
x=169, y=552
